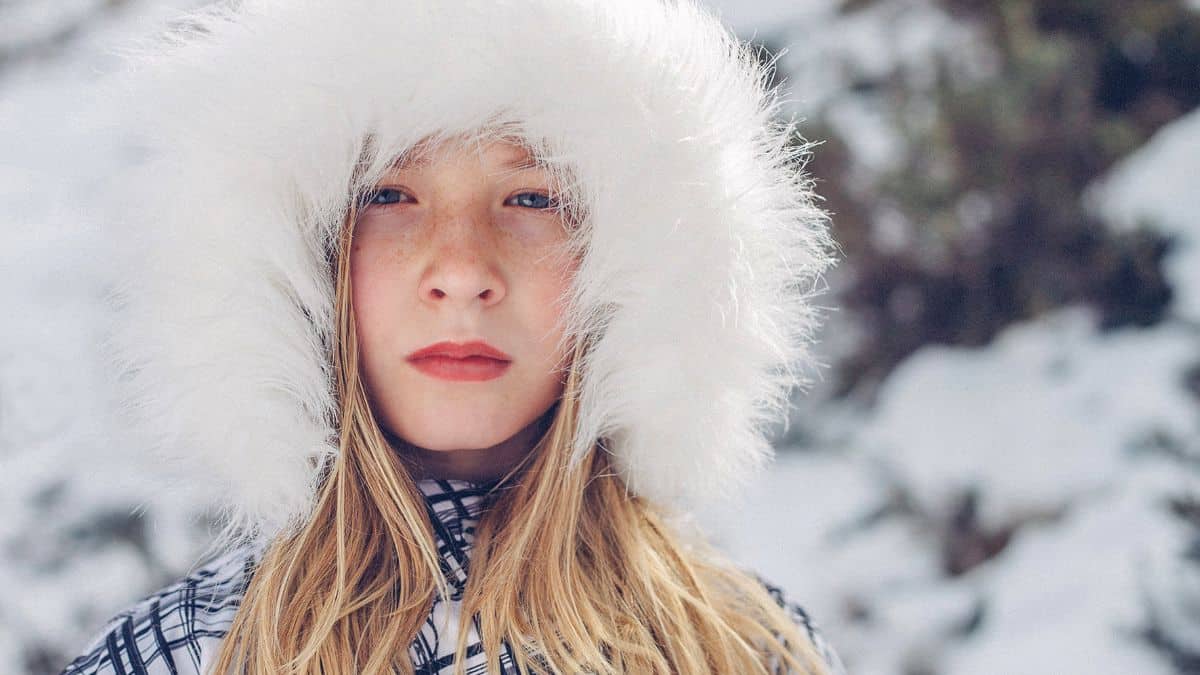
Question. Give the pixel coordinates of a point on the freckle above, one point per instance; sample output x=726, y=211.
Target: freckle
x=399, y=254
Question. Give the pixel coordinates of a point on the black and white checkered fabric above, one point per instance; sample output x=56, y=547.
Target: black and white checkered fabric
x=178, y=630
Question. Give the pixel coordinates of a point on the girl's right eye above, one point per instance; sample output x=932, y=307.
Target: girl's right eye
x=384, y=196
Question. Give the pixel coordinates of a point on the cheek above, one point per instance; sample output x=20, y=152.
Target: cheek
x=375, y=283
x=552, y=282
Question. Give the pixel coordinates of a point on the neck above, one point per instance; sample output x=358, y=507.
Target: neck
x=477, y=465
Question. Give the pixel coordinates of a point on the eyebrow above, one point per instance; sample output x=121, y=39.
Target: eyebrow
x=520, y=163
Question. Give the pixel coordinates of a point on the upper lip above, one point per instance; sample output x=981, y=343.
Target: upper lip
x=460, y=351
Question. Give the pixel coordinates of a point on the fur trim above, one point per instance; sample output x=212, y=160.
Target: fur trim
x=702, y=246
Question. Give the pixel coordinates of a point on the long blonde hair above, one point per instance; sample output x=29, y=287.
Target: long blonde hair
x=572, y=571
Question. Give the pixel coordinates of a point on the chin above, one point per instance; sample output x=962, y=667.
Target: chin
x=452, y=441
x=448, y=433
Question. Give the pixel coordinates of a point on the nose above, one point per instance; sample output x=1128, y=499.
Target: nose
x=462, y=270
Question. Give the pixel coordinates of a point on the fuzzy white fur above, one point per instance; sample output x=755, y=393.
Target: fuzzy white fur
x=701, y=251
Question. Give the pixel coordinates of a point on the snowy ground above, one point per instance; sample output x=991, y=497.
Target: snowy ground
x=1069, y=439
x=1056, y=428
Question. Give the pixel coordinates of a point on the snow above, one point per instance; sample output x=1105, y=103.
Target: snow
x=29, y=22
x=1158, y=185
x=1041, y=418
x=58, y=582
x=1050, y=424
x=747, y=18
x=1066, y=596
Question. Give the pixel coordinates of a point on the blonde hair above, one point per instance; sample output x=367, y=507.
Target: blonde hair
x=572, y=571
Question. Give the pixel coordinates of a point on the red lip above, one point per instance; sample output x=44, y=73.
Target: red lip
x=474, y=361
x=460, y=351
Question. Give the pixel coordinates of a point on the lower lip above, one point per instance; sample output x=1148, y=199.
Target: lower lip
x=472, y=368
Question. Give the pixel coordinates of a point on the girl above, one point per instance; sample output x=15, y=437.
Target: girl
x=423, y=288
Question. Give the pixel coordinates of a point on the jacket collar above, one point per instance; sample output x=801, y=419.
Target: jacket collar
x=454, y=508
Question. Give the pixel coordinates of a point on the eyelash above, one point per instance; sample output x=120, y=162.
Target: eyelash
x=369, y=198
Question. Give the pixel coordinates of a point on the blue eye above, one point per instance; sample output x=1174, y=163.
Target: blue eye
x=539, y=201
x=383, y=196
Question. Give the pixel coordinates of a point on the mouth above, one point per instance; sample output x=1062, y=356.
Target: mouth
x=472, y=361
x=471, y=368
x=460, y=351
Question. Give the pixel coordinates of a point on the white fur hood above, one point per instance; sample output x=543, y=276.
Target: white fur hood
x=703, y=247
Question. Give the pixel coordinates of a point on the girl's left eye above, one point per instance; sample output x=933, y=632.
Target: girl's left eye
x=533, y=200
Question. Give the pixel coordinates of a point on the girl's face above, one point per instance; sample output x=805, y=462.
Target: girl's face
x=461, y=246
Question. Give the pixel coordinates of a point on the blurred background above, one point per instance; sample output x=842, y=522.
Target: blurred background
x=996, y=471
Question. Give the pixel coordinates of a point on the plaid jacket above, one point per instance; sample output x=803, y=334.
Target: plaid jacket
x=178, y=630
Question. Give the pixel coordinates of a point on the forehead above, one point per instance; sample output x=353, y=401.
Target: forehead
x=502, y=153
